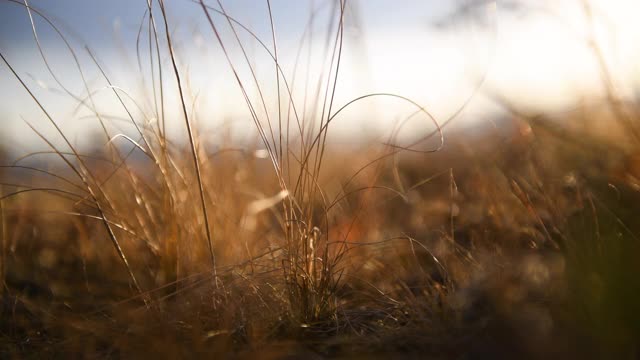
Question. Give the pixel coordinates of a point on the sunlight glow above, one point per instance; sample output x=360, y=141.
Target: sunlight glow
x=540, y=58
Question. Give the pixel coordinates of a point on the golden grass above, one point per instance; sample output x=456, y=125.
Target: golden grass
x=521, y=241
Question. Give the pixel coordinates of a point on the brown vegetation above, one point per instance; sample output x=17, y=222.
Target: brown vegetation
x=519, y=242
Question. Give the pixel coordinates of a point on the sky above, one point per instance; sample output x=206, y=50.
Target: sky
x=533, y=52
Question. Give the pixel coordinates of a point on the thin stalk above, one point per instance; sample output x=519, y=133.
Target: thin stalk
x=192, y=143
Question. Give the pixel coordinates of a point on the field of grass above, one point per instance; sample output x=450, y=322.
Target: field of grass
x=513, y=240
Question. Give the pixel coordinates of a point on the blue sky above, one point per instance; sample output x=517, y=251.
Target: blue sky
x=537, y=56
x=94, y=20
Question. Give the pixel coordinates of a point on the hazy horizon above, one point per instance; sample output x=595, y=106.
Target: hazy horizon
x=536, y=54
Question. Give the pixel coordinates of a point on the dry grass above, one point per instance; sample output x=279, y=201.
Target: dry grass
x=520, y=241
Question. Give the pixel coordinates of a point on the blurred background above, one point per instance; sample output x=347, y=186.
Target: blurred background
x=539, y=56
